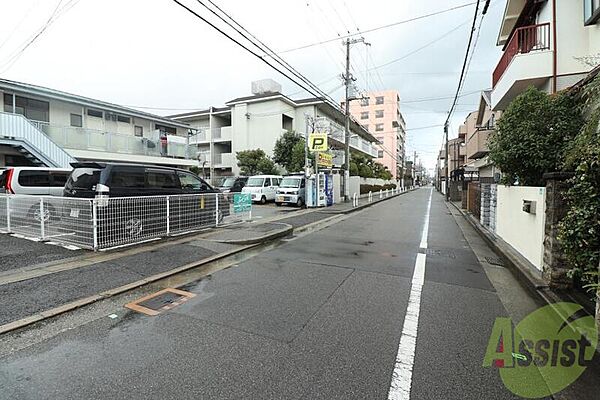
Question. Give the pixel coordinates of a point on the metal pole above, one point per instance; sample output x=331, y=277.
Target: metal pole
x=95, y=223
x=8, y=213
x=42, y=225
x=306, y=167
x=447, y=161
x=347, y=80
x=168, y=216
x=216, y=209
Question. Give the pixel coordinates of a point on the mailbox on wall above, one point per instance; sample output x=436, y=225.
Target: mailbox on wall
x=529, y=206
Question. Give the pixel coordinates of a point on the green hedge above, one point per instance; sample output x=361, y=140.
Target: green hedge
x=364, y=189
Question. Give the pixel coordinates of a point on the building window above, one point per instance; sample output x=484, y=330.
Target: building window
x=591, y=11
x=380, y=138
x=36, y=110
x=379, y=114
x=379, y=100
x=76, y=120
x=378, y=127
x=122, y=118
x=380, y=153
x=364, y=115
x=364, y=102
x=138, y=131
x=94, y=113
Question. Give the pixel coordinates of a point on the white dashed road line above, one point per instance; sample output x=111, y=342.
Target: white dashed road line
x=402, y=375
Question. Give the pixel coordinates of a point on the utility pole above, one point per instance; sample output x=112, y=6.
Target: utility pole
x=348, y=79
x=447, y=161
x=310, y=127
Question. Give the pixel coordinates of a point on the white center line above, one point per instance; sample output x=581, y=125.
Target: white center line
x=402, y=375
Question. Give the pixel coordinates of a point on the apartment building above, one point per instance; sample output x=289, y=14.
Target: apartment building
x=43, y=126
x=379, y=113
x=480, y=126
x=257, y=121
x=550, y=44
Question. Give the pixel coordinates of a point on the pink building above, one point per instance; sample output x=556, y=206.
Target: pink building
x=379, y=113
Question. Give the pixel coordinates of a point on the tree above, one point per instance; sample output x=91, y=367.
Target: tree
x=365, y=167
x=533, y=134
x=284, y=150
x=579, y=231
x=255, y=162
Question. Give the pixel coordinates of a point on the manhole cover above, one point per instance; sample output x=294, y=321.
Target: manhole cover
x=495, y=261
x=438, y=252
x=157, y=302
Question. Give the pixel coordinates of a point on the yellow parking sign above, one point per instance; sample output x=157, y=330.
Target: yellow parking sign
x=317, y=142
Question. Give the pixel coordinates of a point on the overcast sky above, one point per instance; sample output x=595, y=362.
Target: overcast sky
x=153, y=54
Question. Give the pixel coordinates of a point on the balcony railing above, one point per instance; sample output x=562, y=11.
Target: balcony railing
x=524, y=40
x=98, y=140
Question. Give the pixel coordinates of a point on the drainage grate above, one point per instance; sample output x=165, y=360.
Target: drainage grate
x=157, y=302
x=495, y=261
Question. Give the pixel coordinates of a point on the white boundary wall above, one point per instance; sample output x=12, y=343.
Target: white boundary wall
x=522, y=230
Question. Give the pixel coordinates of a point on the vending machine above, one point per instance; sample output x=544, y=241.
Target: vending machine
x=315, y=191
x=329, y=190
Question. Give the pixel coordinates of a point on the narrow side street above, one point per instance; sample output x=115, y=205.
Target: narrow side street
x=319, y=317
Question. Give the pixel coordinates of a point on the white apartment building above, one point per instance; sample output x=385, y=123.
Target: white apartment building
x=550, y=44
x=42, y=126
x=257, y=121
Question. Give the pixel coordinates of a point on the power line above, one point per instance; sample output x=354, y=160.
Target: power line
x=377, y=28
x=57, y=13
x=312, y=89
x=436, y=40
x=464, y=67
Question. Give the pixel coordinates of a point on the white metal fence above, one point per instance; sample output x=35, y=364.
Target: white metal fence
x=104, y=223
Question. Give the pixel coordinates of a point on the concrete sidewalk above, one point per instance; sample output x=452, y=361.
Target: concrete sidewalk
x=45, y=290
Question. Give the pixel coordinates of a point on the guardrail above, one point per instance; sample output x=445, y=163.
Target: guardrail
x=104, y=223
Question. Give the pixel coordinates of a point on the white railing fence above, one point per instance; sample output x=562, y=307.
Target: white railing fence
x=98, y=224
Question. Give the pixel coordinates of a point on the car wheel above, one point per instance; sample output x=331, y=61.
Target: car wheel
x=133, y=227
x=48, y=216
x=263, y=200
x=300, y=202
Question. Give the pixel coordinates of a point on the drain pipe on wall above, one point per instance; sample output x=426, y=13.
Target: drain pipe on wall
x=554, y=46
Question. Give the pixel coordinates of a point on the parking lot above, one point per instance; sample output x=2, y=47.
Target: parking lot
x=20, y=252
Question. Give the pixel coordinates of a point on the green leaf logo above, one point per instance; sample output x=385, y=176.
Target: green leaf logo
x=546, y=352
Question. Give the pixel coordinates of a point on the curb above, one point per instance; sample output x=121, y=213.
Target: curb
x=53, y=312
x=518, y=265
x=285, y=231
x=246, y=244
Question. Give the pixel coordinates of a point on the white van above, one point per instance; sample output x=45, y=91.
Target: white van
x=262, y=187
x=39, y=181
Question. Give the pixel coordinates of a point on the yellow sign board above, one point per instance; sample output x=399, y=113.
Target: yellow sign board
x=325, y=160
x=317, y=142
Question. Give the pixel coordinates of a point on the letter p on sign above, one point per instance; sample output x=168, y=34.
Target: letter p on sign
x=317, y=142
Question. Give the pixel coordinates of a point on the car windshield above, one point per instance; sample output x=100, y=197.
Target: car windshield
x=227, y=183
x=255, y=182
x=290, y=182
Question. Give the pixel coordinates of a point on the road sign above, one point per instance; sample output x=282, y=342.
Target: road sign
x=242, y=202
x=317, y=142
x=325, y=160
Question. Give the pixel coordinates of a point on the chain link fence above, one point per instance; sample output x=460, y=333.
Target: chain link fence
x=103, y=223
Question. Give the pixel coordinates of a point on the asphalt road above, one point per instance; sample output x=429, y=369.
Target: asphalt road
x=320, y=317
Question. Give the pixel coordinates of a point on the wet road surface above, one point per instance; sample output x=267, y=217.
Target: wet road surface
x=320, y=317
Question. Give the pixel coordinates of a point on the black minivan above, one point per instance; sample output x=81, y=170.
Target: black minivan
x=121, y=219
